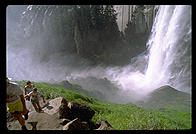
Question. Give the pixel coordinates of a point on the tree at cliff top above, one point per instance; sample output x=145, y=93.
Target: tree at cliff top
x=96, y=31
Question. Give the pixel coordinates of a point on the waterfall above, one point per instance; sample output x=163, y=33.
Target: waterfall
x=169, y=55
x=169, y=46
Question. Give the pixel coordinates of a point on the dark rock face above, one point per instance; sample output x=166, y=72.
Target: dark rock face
x=77, y=110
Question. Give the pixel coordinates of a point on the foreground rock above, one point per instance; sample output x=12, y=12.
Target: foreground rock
x=76, y=124
x=44, y=121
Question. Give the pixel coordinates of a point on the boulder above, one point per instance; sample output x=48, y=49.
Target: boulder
x=57, y=105
x=77, y=110
x=105, y=126
x=44, y=121
x=76, y=124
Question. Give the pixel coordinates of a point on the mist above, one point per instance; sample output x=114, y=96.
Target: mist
x=35, y=54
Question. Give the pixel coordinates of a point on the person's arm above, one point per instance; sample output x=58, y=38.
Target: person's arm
x=28, y=95
x=23, y=100
x=25, y=89
x=25, y=110
x=43, y=99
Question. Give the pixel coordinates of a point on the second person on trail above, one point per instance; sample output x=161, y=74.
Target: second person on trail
x=35, y=95
x=28, y=88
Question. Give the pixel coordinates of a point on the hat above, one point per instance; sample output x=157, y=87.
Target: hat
x=34, y=89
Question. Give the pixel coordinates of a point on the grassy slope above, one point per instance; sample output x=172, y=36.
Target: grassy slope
x=121, y=116
x=167, y=97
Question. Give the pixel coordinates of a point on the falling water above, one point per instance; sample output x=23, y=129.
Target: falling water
x=169, y=55
x=169, y=45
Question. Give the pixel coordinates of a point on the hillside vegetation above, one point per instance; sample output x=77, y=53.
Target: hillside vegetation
x=167, y=97
x=121, y=116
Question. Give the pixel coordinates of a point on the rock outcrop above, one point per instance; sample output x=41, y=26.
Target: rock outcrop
x=68, y=110
x=56, y=105
x=143, y=17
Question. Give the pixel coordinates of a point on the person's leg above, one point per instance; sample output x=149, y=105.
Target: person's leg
x=16, y=110
x=20, y=119
x=39, y=105
x=25, y=111
x=35, y=106
x=18, y=116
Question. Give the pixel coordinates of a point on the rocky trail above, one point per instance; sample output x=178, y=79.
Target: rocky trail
x=59, y=114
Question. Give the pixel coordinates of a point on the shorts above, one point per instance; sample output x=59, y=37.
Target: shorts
x=15, y=107
x=35, y=101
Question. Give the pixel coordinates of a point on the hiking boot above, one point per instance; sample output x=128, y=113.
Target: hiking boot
x=26, y=115
x=24, y=128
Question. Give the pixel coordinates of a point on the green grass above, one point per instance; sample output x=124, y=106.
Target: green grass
x=167, y=97
x=121, y=116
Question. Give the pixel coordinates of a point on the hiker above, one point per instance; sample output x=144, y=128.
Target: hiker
x=35, y=95
x=28, y=88
x=15, y=102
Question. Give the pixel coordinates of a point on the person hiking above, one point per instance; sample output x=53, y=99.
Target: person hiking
x=28, y=88
x=35, y=95
x=15, y=102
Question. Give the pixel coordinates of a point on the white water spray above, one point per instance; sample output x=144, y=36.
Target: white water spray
x=169, y=60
